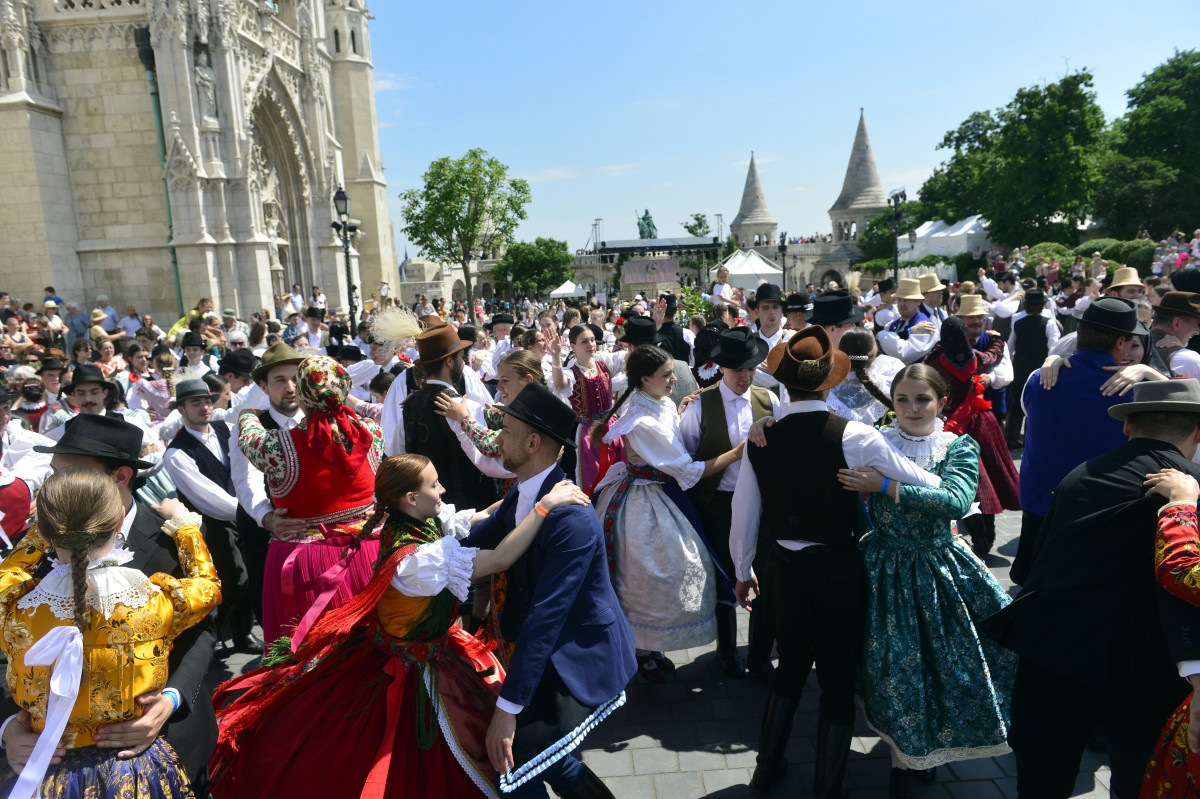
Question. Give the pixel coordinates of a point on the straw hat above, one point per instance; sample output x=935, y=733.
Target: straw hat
x=930, y=282
x=972, y=305
x=910, y=289
x=1125, y=276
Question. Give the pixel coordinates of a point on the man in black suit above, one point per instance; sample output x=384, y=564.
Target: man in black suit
x=112, y=445
x=1096, y=661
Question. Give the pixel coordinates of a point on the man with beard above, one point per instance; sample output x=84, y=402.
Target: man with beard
x=574, y=649
x=198, y=462
x=424, y=432
x=88, y=392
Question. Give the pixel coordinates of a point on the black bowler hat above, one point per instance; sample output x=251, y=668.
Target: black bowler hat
x=193, y=340
x=597, y=331
x=834, y=308
x=640, y=330
x=87, y=373
x=739, y=348
x=1035, y=297
x=105, y=437
x=1115, y=315
x=348, y=352
x=241, y=362
x=503, y=319
x=544, y=412
x=50, y=364
x=188, y=389
x=1186, y=279
x=797, y=302
x=706, y=341
x=158, y=350
x=672, y=302
x=769, y=292
x=888, y=284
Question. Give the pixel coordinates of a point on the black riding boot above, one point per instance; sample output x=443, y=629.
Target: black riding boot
x=761, y=642
x=727, y=654
x=833, y=750
x=773, y=741
x=900, y=786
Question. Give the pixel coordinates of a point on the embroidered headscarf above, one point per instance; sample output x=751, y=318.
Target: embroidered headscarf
x=334, y=431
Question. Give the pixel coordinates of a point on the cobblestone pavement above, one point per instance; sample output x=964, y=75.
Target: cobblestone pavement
x=697, y=736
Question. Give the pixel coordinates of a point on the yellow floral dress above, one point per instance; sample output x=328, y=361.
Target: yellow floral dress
x=133, y=621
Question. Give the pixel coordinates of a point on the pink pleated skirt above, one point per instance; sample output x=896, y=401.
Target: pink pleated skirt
x=289, y=592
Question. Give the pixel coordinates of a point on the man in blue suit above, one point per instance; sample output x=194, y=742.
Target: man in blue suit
x=574, y=649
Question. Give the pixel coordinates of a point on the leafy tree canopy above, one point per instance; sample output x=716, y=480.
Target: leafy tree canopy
x=698, y=226
x=542, y=265
x=467, y=207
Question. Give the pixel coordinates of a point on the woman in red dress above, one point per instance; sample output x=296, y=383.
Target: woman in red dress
x=322, y=471
x=387, y=696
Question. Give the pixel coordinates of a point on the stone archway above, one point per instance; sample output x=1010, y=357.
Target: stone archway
x=830, y=275
x=285, y=219
x=459, y=292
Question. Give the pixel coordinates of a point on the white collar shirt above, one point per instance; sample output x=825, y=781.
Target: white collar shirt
x=527, y=492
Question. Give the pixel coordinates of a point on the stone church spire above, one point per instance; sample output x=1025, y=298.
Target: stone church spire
x=861, y=188
x=753, y=225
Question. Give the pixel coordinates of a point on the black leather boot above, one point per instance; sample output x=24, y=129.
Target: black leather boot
x=833, y=750
x=762, y=641
x=773, y=741
x=900, y=786
x=727, y=654
x=590, y=787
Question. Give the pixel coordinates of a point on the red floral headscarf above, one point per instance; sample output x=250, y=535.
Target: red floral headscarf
x=334, y=431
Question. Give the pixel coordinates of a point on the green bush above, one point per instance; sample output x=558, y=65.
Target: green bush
x=1049, y=249
x=1092, y=245
x=1138, y=254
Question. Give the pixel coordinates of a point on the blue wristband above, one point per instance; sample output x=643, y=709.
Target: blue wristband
x=887, y=481
x=173, y=695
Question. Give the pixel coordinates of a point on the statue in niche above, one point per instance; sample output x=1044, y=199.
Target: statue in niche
x=206, y=87
x=646, y=227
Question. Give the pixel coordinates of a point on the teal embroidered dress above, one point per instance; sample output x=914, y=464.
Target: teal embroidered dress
x=931, y=685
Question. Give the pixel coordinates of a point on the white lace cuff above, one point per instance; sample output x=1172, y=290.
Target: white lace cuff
x=171, y=526
x=435, y=566
x=456, y=523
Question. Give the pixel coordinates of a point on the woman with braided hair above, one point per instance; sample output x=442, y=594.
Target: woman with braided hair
x=863, y=395
x=387, y=695
x=92, y=635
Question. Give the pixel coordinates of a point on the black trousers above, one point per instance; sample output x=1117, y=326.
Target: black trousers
x=717, y=518
x=1027, y=545
x=1016, y=416
x=253, y=541
x=818, y=596
x=1053, y=717
x=235, y=614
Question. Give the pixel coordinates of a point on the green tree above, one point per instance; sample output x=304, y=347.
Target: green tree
x=876, y=240
x=1161, y=124
x=542, y=265
x=466, y=208
x=731, y=246
x=1134, y=194
x=1030, y=168
x=698, y=226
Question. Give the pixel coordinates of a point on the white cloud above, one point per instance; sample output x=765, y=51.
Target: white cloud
x=616, y=170
x=550, y=174
x=392, y=82
x=758, y=159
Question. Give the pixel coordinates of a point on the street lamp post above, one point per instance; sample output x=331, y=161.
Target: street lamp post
x=345, y=231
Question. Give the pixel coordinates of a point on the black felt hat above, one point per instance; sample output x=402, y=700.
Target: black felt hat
x=540, y=409
x=640, y=330
x=706, y=341
x=503, y=319
x=769, y=292
x=888, y=284
x=347, y=352
x=87, y=373
x=104, y=437
x=50, y=364
x=193, y=340
x=739, y=348
x=1114, y=314
x=797, y=302
x=835, y=308
x=241, y=362
x=672, y=301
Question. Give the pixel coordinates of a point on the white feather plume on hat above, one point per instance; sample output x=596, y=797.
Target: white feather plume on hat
x=395, y=327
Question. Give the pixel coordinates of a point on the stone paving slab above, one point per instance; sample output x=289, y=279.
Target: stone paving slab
x=697, y=736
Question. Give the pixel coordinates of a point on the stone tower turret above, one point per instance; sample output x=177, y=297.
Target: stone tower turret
x=352, y=78
x=862, y=194
x=753, y=226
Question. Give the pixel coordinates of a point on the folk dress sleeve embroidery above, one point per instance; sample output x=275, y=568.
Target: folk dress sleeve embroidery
x=16, y=572
x=261, y=447
x=196, y=594
x=1177, y=552
x=960, y=479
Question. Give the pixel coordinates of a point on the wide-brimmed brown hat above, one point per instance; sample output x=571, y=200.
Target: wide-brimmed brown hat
x=808, y=361
x=972, y=305
x=431, y=320
x=910, y=289
x=275, y=356
x=437, y=343
x=930, y=282
x=1179, y=303
x=1161, y=396
x=1125, y=276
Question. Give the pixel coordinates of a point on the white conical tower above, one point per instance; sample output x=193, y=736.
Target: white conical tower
x=862, y=194
x=753, y=226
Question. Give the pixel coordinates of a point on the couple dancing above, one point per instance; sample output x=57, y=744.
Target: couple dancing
x=390, y=688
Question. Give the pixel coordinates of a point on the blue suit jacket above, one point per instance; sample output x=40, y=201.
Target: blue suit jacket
x=574, y=619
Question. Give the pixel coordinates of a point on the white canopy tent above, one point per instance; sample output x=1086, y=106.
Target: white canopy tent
x=567, y=289
x=748, y=269
x=938, y=238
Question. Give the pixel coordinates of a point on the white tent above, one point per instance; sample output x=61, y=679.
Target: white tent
x=567, y=289
x=938, y=238
x=748, y=269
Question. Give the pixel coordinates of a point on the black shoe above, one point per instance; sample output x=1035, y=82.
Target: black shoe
x=762, y=670
x=833, y=750
x=663, y=662
x=900, y=785
x=247, y=644
x=773, y=741
x=727, y=654
x=925, y=775
x=649, y=670
x=590, y=787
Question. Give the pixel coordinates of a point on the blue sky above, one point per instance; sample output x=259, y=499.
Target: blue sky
x=608, y=108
